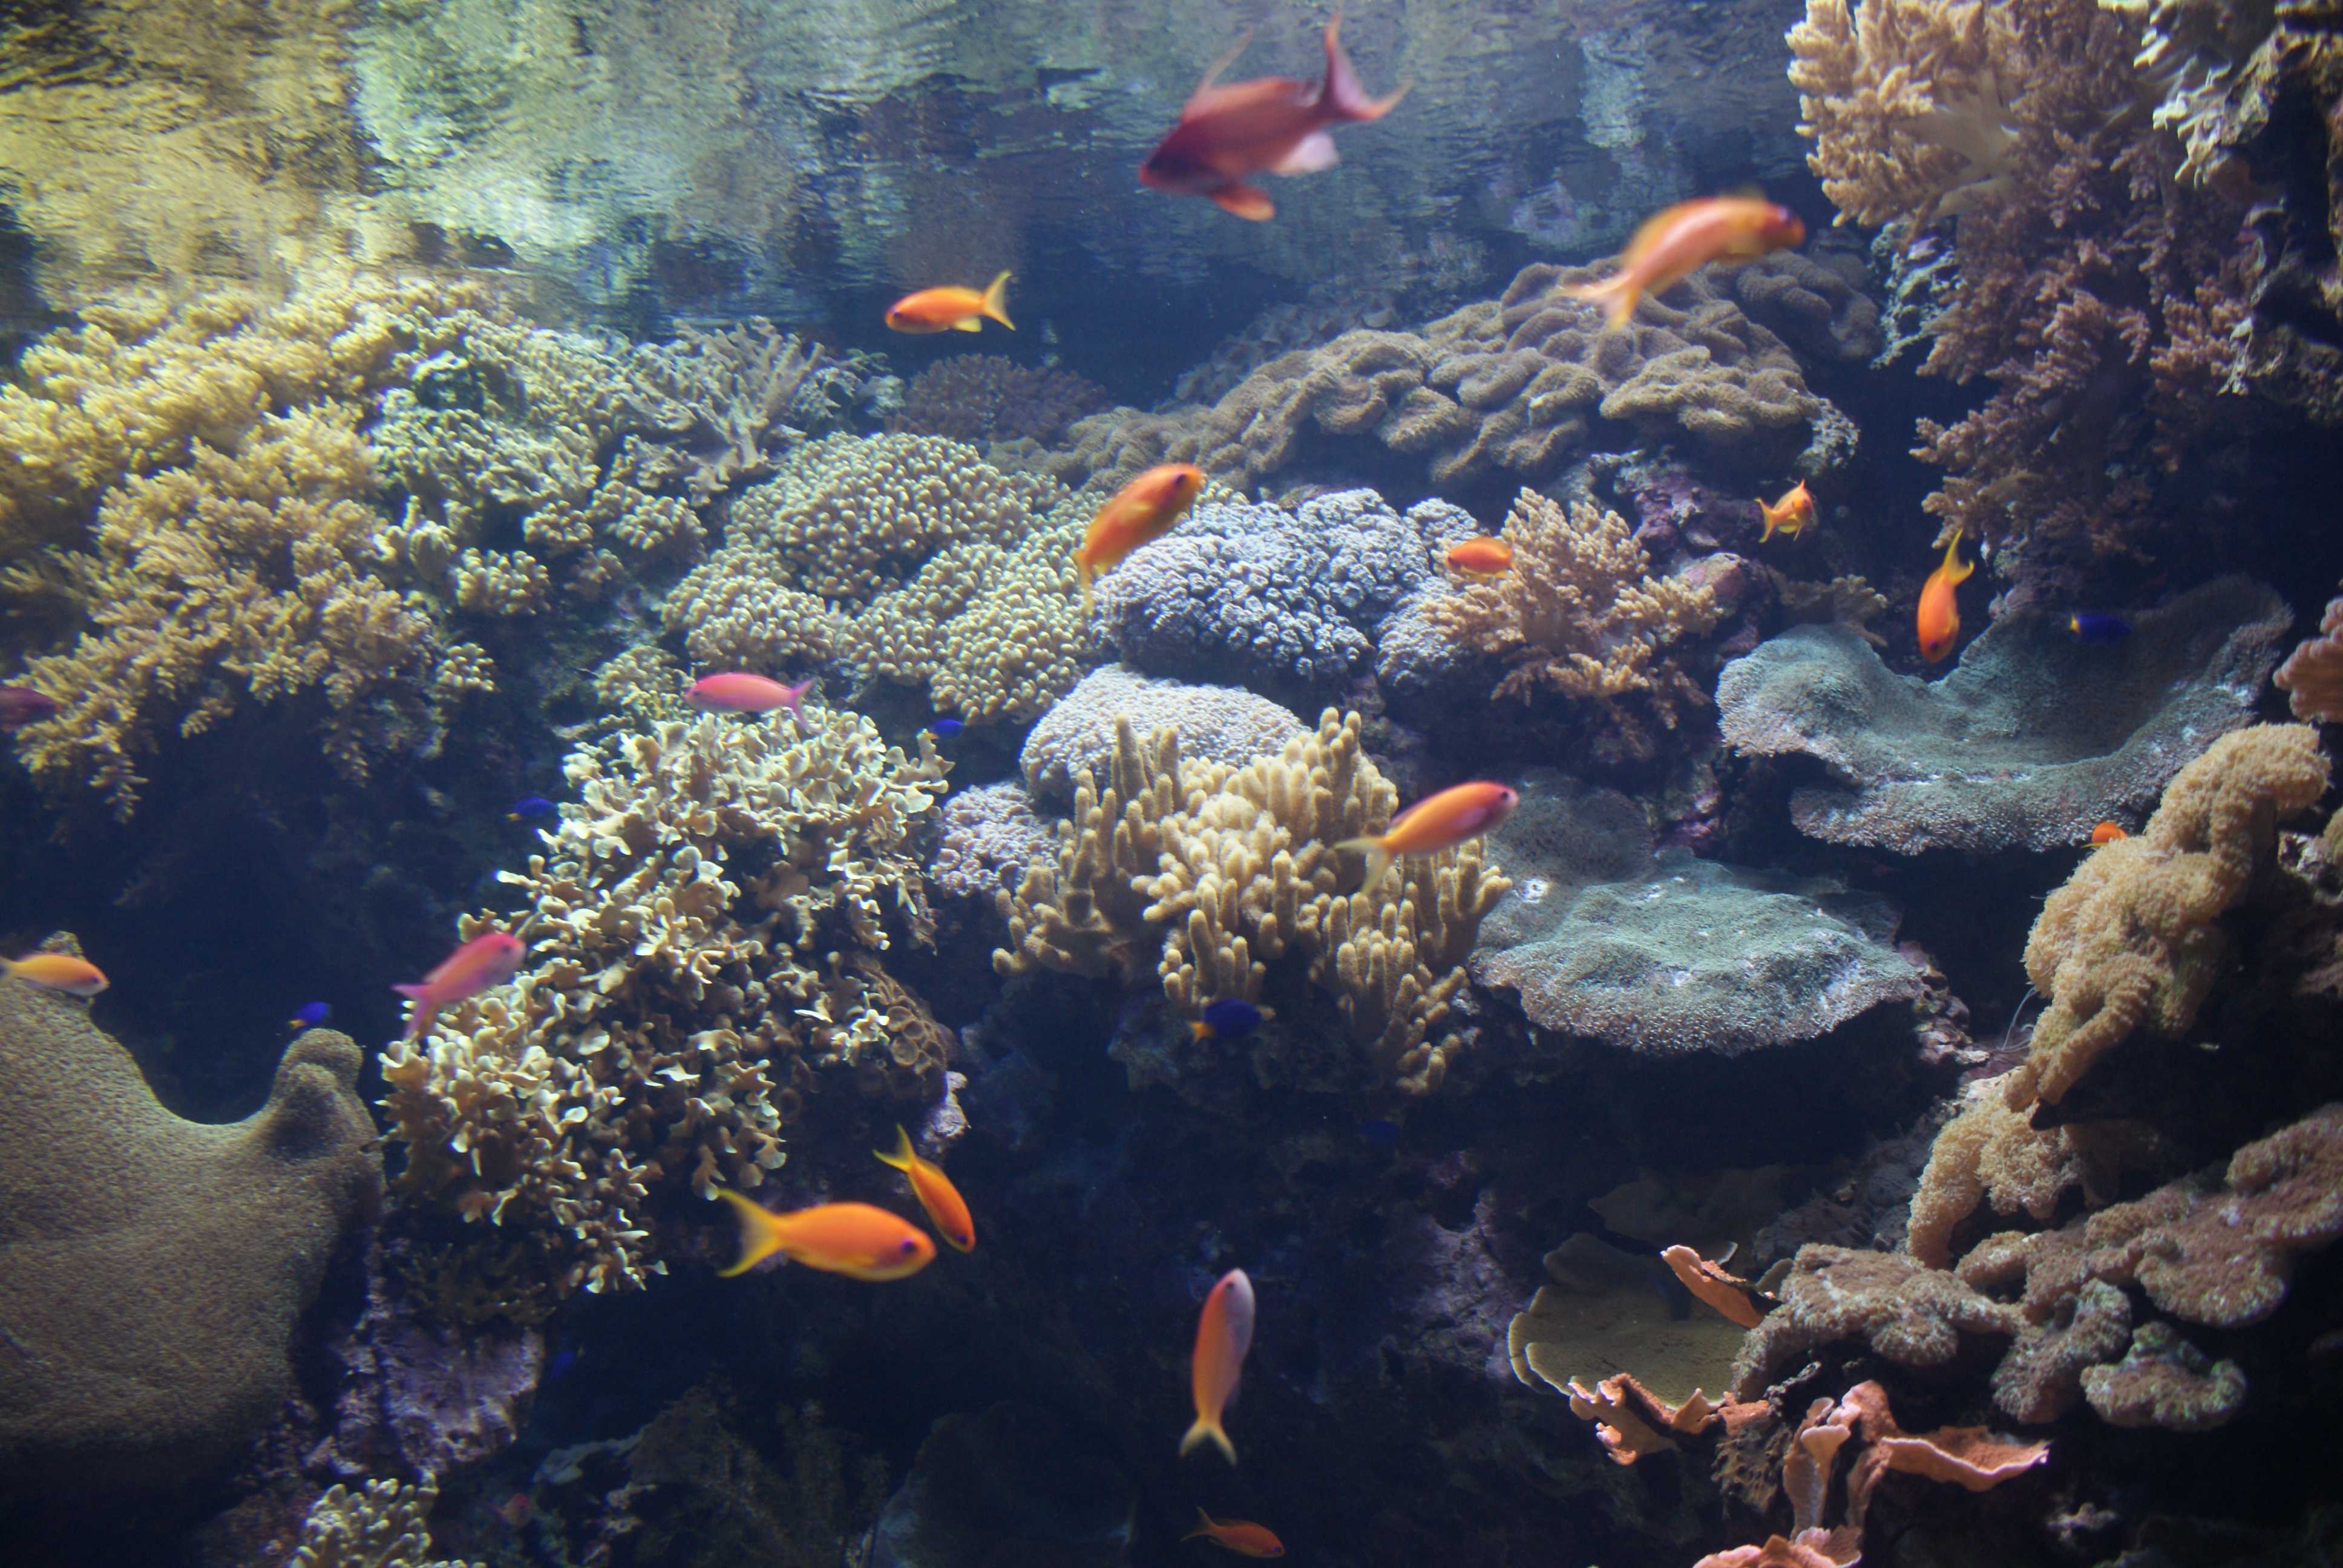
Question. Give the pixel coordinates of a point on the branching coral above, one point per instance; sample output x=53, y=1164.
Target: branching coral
x=1579, y=613
x=703, y=940
x=386, y=1525
x=1225, y=871
x=731, y=399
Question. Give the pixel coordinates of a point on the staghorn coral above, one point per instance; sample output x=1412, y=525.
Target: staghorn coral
x=1225, y=871
x=386, y=1525
x=1214, y=724
x=2034, y=738
x=984, y=397
x=1506, y=387
x=703, y=937
x=2312, y=675
x=727, y=399
x=1580, y=615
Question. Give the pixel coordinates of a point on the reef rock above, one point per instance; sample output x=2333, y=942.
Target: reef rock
x=1007, y=1486
x=2030, y=742
x=1670, y=954
x=151, y=1269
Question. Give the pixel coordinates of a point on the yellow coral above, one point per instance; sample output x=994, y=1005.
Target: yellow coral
x=386, y=1525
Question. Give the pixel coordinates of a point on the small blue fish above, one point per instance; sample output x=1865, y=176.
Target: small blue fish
x=1228, y=1019
x=309, y=1015
x=1382, y=1134
x=557, y=1366
x=2090, y=626
x=528, y=807
x=945, y=728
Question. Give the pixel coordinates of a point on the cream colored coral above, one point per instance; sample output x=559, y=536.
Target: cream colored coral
x=387, y=1524
x=702, y=938
x=1578, y=612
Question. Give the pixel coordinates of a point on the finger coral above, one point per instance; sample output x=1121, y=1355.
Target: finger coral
x=386, y=1524
x=704, y=936
x=1225, y=871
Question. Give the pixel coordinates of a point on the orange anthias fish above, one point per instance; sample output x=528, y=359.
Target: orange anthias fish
x=736, y=692
x=2107, y=832
x=861, y=1241
x=1675, y=243
x=1434, y=823
x=1482, y=555
x=57, y=971
x=947, y=1210
x=952, y=308
x=1939, y=618
x=1792, y=515
x=1223, y=1335
x=489, y=959
x=1241, y=1536
x=1272, y=125
x=1147, y=508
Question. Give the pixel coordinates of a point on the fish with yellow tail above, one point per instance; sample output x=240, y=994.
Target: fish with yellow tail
x=952, y=308
x=67, y=972
x=861, y=1241
x=1241, y=1536
x=947, y=1210
x=1272, y=125
x=1678, y=241
x=1792, y=515
x=1143, y=510
x=1223, y=1335
x=1434, y=823
x=1938, y=617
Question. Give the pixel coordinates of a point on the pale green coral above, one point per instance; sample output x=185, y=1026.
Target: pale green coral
x=386, y=1525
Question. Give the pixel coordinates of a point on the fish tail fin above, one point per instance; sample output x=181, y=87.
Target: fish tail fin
x=1201, y=1030
x=1342, y=96
x=1618, y=294
x=902, y=1157
x=1204, y=1523
x=1378, y=858
x=761, y=1235
x=996, y=301
x=1207, y=1429
x=417, y=993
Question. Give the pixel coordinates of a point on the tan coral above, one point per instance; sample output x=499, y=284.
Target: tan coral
x=386, y=1524
x=1991, y=1152
x=2312, y=675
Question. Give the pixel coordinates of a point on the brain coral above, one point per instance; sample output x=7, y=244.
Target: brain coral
x=704, y=936
x=1286, y=601
x=1674, y=955
x=2033, y=741
x=1511, y=386
x=151, y=1269
x=1214, y=723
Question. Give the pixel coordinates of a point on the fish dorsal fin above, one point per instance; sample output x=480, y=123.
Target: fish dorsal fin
x=1212, y=73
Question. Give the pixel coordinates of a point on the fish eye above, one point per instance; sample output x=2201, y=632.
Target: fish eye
x=910, y=1244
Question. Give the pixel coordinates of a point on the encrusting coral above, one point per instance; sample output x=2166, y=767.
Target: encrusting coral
x=704, y=937
x=152, y=1269
x=1224, y=871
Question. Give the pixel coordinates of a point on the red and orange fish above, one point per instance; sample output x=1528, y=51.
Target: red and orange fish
x=1482, y=555
x=1792, y=515
x=947, y=1210
x=67, y=972
x=1434, y=823
x=1223, y=1335
x=1241, y=1536
x=1270, y=124
x=1938, y=618
x=952, y=308
x=736, y=692
x=1678, y=241
x=1147, y=508
x=861, y=1241
x=487, y=961
x=2107, y=832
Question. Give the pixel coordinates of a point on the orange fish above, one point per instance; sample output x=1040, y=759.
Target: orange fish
x=947, y=1210
x=1223, y=1335
x=1272, y=125
x=1241, y=1536
x=57, y=971
x=952, y=308
x=1146, y=508
x=1792, y=515
x=489, y=959
x=2107, y=832
x=858, y=1239
x=1675, y=243
x=1939, y=618
x=1434, y=823
x=1482, y=555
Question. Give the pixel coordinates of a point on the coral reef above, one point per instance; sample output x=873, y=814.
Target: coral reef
x=704, y=937
x=1578, y=614
x=1214, y=724
x=988, y=837
x=1909, y=1315
x=1225, y=871
x=2032, y=740
x=984, y=397
x=1280, y=601
x=1508, y=386
x=1603, y=940
x=2312, y=675
x=386, y=1524
x=2165, y=1382
x=152, y=1269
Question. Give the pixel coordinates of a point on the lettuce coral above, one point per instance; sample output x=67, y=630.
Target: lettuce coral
x=704, y=936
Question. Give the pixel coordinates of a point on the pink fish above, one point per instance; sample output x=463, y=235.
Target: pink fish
x=489, y=959
x=733, y=691
x=1223, y=1335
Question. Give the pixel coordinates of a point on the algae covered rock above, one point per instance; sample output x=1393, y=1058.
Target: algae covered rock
x=2035, y=739
x=151, y=1269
